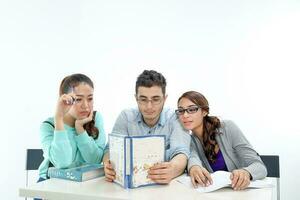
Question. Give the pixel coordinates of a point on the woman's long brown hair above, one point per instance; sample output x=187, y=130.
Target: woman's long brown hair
x=211, y=124
x=67, y=84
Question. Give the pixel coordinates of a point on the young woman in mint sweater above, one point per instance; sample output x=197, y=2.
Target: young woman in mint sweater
x=75, y=135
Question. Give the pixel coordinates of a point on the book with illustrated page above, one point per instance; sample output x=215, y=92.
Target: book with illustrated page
x=132, y=156
x=81, y=173
x=221, y=179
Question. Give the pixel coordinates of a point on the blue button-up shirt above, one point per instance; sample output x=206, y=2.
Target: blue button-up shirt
x=130, y=122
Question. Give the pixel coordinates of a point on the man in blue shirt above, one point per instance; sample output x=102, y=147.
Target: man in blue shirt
x=151, y=118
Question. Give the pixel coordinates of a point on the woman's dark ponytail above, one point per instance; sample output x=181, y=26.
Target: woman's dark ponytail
x=91, y=129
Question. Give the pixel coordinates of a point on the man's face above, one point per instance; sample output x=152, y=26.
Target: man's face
x=150, y=102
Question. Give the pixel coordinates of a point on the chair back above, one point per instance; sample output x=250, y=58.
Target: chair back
x=272, y=164
x=34, y=157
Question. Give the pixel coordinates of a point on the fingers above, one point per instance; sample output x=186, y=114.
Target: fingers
x=108, y=165
x=91, y=115
x=64, y=104
x=239, y=182
x=68, y=99
x=160, y=178
x=200, y=179
x=87, y=119
x=246, y=179
x=161, y=173
x=240, y=179
x=201, y=176
x=110, y=173
x=81, y=122
x=109, y=178
x=160, y=165
x=194, y=182
x=234, y=178
x=158, y=171
x=207, y=176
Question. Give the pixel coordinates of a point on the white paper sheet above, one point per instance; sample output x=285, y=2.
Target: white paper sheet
x=221, y=179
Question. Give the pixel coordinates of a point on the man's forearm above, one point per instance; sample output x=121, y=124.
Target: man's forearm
x=179, y=162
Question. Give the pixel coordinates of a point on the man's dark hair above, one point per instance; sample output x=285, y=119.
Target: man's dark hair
x=151, y=78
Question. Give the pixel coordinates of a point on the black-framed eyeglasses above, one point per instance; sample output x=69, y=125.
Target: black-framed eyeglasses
x=154, y=100
x=190, y=110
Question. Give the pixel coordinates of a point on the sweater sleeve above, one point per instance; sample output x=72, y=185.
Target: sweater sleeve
x=56, y=146
x=194, y=157
x=180, y=140
x=245, y=152
x=92, y=150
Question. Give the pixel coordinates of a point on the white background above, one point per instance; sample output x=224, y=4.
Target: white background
x=242, y=55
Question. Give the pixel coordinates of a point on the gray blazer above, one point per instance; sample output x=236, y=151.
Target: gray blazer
x=236, y=150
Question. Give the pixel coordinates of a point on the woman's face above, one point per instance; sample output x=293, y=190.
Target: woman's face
x=190, y=115
x=83, y=102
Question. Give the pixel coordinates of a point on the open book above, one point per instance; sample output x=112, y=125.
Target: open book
x=132, y=156
x=221, y=179
x=81, y=173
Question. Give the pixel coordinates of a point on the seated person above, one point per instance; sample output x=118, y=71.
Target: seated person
x=75, y=135
x=217, y=145
x=151, y=118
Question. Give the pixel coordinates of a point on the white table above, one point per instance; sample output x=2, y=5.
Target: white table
x=58, y=189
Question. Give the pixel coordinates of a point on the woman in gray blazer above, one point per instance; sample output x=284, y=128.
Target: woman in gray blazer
x=217, y=145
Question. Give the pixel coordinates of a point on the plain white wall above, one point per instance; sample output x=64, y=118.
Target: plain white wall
x=243, y=56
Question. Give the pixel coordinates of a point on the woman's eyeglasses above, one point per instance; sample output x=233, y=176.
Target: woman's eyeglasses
x=190, y=110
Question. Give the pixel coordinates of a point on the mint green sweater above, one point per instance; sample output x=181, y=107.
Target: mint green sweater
x=66, y=149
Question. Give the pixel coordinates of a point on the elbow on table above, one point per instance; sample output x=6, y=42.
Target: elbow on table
x=63, y=163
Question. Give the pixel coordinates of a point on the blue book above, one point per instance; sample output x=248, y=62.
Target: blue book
x=132, y=156
x=81, y=173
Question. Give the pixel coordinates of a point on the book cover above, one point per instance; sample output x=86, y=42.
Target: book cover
x=81, y=173
x=221, y=179
x=132, y=156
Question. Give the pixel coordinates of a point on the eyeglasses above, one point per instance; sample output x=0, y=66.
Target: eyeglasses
x=190, y=110
x=145, y=101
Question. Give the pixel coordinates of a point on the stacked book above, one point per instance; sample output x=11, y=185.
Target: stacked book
x=81, y=173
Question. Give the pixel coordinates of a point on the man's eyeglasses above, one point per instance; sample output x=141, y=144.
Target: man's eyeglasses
x=190, y=110
x=145, y=101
